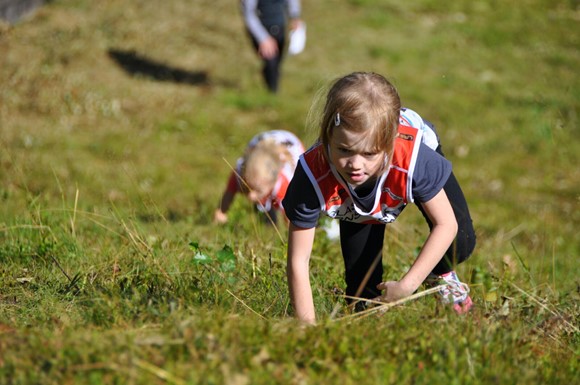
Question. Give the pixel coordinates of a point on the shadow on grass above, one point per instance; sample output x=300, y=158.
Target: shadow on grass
x=137, y=65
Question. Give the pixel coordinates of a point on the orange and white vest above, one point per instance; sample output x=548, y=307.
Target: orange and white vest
x=274, y=200
x=392, y=195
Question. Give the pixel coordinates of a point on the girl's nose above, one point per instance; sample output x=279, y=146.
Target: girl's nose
x=354, y=162
x=253, y=196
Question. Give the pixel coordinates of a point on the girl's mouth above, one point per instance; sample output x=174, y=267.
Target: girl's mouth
x=356, y=177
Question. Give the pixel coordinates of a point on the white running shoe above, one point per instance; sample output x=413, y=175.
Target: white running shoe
x=454, y=292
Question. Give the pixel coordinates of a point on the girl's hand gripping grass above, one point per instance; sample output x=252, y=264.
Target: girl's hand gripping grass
x=393, y=291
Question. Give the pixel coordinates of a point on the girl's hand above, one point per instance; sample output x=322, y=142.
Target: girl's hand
x=294, y=24
x=268, y=49
x=220, y=217
x=393, y=291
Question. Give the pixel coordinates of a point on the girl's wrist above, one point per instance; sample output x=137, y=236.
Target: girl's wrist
x=410, y=284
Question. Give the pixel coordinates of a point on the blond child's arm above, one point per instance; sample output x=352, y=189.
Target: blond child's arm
x=300, y=243
x=220, y=215
x=444, y=230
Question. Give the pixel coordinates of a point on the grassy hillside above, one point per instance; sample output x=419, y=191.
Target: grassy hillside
x=118, y=120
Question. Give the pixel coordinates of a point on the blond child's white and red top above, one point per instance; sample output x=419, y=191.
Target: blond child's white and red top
x=295, y=149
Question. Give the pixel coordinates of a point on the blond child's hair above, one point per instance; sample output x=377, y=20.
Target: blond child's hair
x=366, y=103
x=263, y=162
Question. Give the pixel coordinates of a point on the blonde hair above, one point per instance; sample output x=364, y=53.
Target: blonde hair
x=366, y=103
x=264, y=161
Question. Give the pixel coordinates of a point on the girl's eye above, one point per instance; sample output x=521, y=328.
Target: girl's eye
x=344, y=150
x=369, y=154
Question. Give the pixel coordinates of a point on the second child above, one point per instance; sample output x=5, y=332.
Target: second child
x=263, y=173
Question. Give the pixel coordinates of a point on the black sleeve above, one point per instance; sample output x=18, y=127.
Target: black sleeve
x=301, y=203
x=430, y=174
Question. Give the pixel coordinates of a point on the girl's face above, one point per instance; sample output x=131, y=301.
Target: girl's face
x=355, y=164
x=259, y=189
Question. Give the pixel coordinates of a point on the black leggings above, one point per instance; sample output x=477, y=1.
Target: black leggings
x=271, y=67
x=362, y=246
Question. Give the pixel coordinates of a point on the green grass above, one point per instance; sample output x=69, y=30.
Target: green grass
x=112, y=272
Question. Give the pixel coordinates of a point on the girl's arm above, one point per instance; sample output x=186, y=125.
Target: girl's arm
x=220, y=214
x=267, y=45
x=252, y=21
x=444, y=230
x=294, y=10
x=299, y=248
